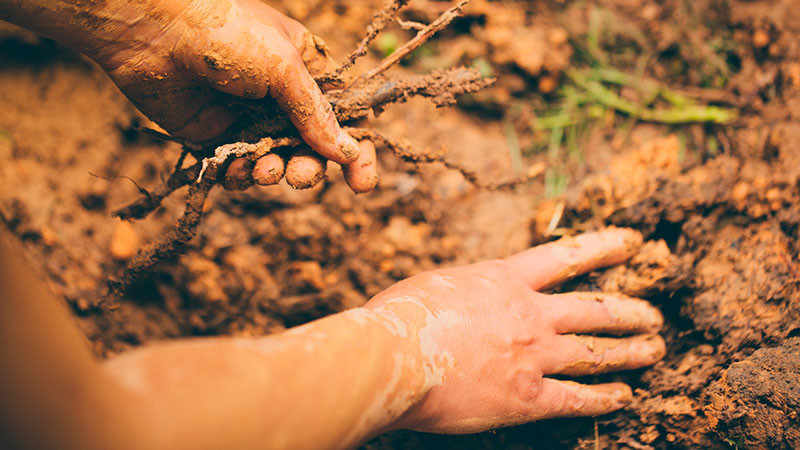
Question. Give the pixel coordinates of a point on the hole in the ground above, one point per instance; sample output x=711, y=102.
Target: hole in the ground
x=669, y=232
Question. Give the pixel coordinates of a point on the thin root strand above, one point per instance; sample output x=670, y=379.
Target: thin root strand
x=151, y=200
x=420, y=38
x=170, y=244
x=379, y=22
x=404, y=151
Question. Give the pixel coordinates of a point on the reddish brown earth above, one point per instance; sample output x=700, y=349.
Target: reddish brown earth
x=719, y=204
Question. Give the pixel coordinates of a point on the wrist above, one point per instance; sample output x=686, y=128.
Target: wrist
x=122, y=30
x=406, y=321
x=109, y=32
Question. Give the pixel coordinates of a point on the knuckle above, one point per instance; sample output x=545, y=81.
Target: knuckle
x=496, y=270
x=527, y=385
x=572, y=400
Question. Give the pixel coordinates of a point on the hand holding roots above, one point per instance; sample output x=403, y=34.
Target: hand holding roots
x=268, y=129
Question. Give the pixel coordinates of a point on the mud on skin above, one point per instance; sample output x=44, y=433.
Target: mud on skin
x=720, y=216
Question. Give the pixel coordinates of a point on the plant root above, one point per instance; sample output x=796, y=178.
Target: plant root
x=379, y=21
x=152, y=199
x=420, y=38
x=404, y=151
x=370, y=92
x=265, y=118
x=173, y=241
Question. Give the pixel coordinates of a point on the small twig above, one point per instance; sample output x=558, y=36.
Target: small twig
x=442, y=87
x=410, y=24
x=379, y=22
x=421, y=37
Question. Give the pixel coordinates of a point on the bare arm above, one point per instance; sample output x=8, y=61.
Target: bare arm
x=329, y=384
x=332, y=383
x=53, y=390
x=452, y=351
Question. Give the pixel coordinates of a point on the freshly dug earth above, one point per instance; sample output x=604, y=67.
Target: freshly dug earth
x=722, y=261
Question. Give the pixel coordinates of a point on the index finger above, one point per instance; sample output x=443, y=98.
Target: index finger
x=547, y=265
x=299, y=96
x=280, y=74
x=561, y=398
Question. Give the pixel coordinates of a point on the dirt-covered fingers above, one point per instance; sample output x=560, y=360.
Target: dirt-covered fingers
x=559, y=398
x=553, y=399
x=305, y=169
x=597, y=312
x=269, y=169
x=242, y=173
x=308, y=109
x=579, y=355
x=238, y=175
x=550, y=264
x=362, y=174
x=252, y=59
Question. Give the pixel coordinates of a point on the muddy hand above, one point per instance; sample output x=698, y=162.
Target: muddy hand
x=491, y=341
x=180, y=62
x=304, y=169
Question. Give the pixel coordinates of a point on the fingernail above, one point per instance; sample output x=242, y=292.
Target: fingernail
x=658, y=347
x=623, y=397
x=268, y=170
x=631, y=239
x=347, y=146
x=364, y=186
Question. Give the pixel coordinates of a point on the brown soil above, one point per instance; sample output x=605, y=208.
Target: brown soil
x=723, y=260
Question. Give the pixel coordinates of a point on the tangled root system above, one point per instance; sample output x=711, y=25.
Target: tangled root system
x=267, y=128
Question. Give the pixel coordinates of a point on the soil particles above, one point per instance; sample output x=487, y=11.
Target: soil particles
x=680, y=119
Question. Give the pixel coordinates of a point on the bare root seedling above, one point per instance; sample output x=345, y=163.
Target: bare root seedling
x=268, y=129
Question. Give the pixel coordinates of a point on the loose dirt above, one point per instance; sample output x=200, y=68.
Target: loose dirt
x=719, y=204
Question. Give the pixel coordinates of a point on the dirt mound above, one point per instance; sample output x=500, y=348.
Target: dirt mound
x=720, y=204
x=757, y=399
x=724, y=273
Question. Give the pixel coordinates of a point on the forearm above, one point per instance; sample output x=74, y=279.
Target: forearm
x=101, y=29
x=54, y=394
x=332, y=383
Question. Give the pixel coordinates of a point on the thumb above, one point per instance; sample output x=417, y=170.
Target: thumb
x=259, y=61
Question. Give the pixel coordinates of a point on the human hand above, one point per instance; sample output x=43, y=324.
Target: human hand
x=490, y=340
x=180, y=62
